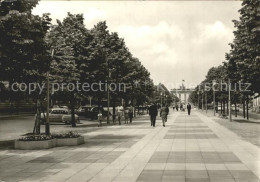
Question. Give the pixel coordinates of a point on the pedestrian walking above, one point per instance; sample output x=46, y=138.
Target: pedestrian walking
x=173, y=107
x=181, y=107
x=100, y=118
x=177, y=107
x=163, y=114
x=188, y=108
x=119, y=114
x=153, y=112
x=126, y=114
x=167, y=110
x=131, y=113
x=149, y=112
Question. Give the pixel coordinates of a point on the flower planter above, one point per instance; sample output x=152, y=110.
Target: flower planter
x=34, y=145
x=70, y=141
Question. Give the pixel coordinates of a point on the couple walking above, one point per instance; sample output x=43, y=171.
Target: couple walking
x=153, y=112
x=127, y=112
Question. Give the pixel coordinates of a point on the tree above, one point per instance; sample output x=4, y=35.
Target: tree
x=24, y=55
x=243, y=61
x=244, y=54
x=68, y=40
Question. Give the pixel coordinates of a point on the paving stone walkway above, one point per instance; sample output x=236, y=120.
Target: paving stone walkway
x=189, y=149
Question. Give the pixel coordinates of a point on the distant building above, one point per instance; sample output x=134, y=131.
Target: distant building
x=182, y=93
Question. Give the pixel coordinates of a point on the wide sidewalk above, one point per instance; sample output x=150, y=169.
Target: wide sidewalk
x=190, y=148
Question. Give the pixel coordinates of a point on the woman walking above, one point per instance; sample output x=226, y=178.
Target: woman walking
x=126, y=115
x=163, y=114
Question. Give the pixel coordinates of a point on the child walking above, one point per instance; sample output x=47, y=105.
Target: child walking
x=100, y=119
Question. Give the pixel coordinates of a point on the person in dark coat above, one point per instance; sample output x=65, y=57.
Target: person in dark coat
x=153, y=112
x=131, y=113
x=177, y=107
x=149, y=112
x=188, y=108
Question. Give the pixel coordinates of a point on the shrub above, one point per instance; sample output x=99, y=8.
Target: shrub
x=36, y=138
x=70, y=134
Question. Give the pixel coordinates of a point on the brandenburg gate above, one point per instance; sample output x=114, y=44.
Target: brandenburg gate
x=182, y=93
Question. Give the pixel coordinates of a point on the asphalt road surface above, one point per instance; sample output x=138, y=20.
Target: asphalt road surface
x=15, y=126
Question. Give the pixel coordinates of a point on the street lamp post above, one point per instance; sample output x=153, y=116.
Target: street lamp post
x=198, y=99
x=202, y=108
x=47, y=123
x=90, y=100
x=206, y=102
x=161, y=99
x=108, y=97
x=229, y=100
x=214, y=102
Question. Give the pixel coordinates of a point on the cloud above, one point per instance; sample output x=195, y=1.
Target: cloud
x=216, y=31
x=94, y=14
x=152, y=44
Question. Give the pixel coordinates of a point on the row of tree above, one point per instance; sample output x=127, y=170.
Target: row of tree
x=31, y=47
x=242, y=63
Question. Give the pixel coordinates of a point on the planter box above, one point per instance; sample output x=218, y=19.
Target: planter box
x=33, y=145
x=70, y=141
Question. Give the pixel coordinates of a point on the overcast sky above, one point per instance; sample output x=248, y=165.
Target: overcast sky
x=174, y=40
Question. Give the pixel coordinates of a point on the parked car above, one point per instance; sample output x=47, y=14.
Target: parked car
x=83, y=110
x=94, y=112
x=55, y=106
x=64, y=107
x=90, y=111
x=59, y=115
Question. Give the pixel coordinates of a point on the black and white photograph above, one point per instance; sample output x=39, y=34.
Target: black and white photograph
x=129, y=91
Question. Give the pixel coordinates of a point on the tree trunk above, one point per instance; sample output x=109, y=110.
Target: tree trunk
x=235, y=109
x=72, y=103
x=244, y=113
x=247, y=115
x=99, y=103
x=227, y=108
x=221, y=107
x=37, y=125
x=114, y=111
x=224, y=107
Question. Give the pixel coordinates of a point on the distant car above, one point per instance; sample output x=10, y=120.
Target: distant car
x=64, y=107
x=219, y=108
x=83, y=110
x=55, y=106
x=59, y=115
x=91, y=111
x=94, y=112
x=233, y=107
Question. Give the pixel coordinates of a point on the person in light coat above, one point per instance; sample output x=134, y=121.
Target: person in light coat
x=163, y=114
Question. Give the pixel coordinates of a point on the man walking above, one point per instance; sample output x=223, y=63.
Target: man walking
x=149, y=112
x=153, y=112
x=131, y=113
x=163, y=114
x=188, y=108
